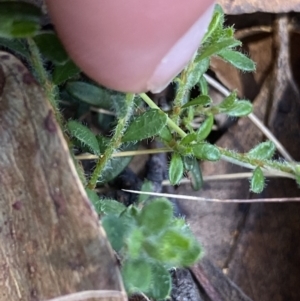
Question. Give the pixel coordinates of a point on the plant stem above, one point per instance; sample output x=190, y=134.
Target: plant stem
x=278, y=168
x=115, y=142
x=170, y=122
x=42, y=77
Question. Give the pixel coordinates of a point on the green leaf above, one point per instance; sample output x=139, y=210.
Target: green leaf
x=175, y=169
x=215, y=48
x=257, y=180
x=107, y=206
x=237, y=59
x=228, y=102
x=135, y=243
x=161, y=283
x=165, y=134
x=156, y=215
x=137, y=275
x=262, y=151
x=64, y=72
x=146, y=187
x=176, y=248
x=84, y=135
x=90, y=94
x=116, y=165
x=92, y=195
x=206, y=151
x=202, y=100
x=194, y=173
x=199, y=68
x=215, y=22
x=18, y=19
x=189, y=138
x=240, y=108
x=145, y=125
x=203, y=85
x=51, y=47
x=17, y=46
x=116, y=230
x=205, y=128
x=192, y=255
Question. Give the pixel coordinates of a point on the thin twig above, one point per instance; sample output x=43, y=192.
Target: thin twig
x=201, y=199
x=254, y=119
x=115, y=141
x=103, y=294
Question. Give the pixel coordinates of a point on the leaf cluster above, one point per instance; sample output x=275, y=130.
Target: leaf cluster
x=149, y=241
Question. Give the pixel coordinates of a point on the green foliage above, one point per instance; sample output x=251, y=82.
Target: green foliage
x=206, y=151
x=84, y=135
x=146, y=125
x=205, y=128
x=64, y=72
x=149, y=241
x=51, y=47
x=194, y=173
x=257, y=180
x=237, y=59
x=148, y=238
x=176, y=169
x=201, y=100
x=18, y=19
x=264, y=150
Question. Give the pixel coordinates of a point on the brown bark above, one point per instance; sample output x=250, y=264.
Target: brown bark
x=51, y=242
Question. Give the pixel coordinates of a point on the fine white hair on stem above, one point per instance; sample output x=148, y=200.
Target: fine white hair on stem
x=102, y=294
x=254, y=119
x=202, y=199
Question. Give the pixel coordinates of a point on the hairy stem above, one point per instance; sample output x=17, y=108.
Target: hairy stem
x=115, y=142
x=42, y=77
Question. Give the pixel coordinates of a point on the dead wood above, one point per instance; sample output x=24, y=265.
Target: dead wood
x=51, y=243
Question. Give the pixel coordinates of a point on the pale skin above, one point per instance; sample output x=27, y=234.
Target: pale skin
x=131, y=46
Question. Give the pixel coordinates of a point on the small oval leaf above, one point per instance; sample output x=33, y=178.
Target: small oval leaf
x=195, y=175
x=161, y=284
x=64, y=72
x=228, y=102
x=145, y=125
x=257, y=180
x=205, y=128
x=116, y=230
x=84, y=135
x=156, y=215
x=202, y=100
x=165, y=134
x=51, y=47
x=264, y=150
x=199, y=68
x=237, y=59
x=206, y=151
x=189, y=138
x=176, y=169
x=137, y=275
x=240, y=108
x=215, y=48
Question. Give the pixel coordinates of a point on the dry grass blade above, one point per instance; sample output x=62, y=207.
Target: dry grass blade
x=201, y=199
x=100, y=294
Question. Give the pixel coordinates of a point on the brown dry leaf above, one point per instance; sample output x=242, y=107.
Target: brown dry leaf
x=256, y=245
x=236, y=7
x=51, y=243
